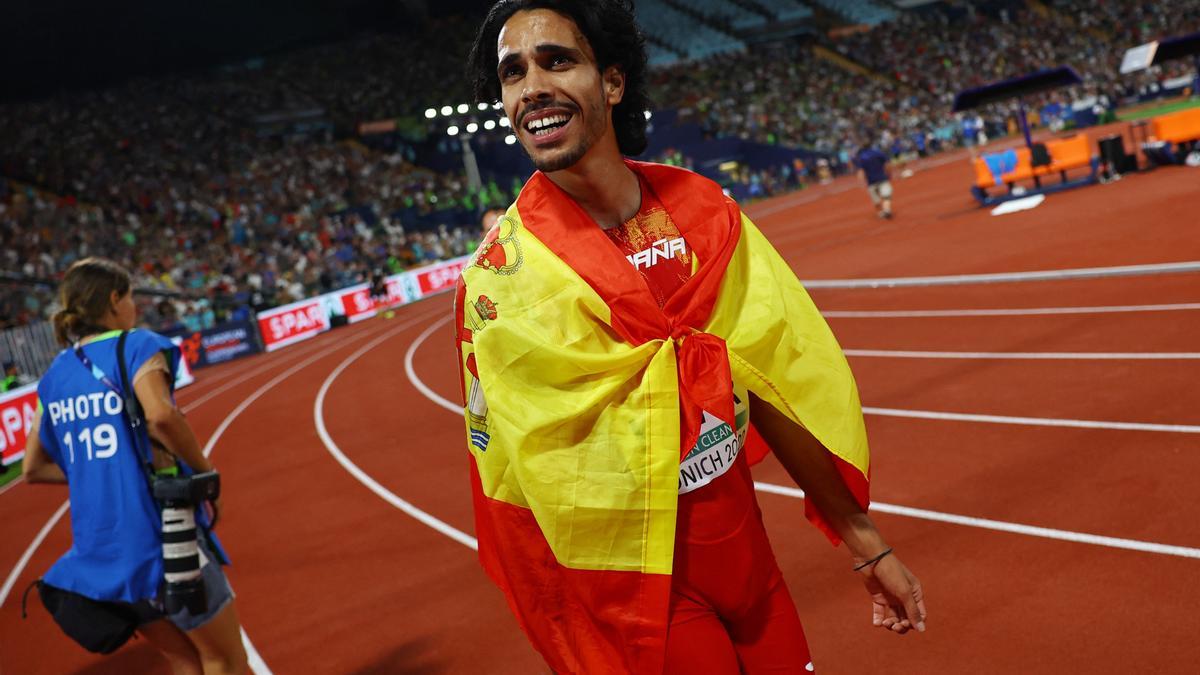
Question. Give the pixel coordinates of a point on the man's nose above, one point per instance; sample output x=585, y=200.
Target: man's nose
x=536, y=87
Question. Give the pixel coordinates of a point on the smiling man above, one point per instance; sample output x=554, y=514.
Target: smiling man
x=629, y=344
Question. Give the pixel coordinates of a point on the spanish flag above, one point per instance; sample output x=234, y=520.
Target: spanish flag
x=581, y=395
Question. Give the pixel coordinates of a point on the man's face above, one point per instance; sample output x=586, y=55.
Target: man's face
x=556, y=99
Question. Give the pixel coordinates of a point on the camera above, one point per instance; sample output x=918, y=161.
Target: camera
x=179, y=496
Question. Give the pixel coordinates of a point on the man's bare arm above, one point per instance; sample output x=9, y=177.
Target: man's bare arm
x=897, y=597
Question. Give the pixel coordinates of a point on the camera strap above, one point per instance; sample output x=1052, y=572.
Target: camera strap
x=132, y=408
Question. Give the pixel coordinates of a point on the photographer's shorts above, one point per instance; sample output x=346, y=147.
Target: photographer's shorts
x=880, y=191
x=216, y=586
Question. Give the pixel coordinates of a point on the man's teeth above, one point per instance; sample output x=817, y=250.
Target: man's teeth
x=545, y=125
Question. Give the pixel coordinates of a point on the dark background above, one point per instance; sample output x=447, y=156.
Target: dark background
x=49, y=45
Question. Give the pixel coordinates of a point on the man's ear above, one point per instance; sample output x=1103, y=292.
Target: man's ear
x=614, y=84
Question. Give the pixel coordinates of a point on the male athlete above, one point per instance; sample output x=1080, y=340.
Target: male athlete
x=618, y=329
x=872, y=166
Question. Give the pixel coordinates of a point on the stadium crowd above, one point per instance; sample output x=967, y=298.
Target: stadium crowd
x=785, y=95
x=181, y=179
x=962, y=46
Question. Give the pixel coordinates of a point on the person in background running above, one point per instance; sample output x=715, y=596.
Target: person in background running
x=80, y=437
x=872, y=165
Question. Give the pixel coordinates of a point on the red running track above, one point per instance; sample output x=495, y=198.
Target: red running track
x=333, y=578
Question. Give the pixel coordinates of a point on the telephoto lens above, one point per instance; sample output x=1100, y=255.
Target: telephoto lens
x=181, y=560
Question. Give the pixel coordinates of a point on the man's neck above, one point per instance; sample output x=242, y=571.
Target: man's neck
x=603, y=186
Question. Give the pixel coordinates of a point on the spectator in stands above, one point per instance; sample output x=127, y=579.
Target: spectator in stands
x=872, y=166
x=489, y=219
x=566, y=353
x=12, y=378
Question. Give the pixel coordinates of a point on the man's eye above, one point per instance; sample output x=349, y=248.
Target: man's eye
x=559, y=60
x=511, y=71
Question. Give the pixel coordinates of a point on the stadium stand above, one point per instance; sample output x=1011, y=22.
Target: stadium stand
x=181, y=178
x=963, y=47
x=784, y=95
x=860, y=11
x=683, y=32
x=786, y=10
x=730, y=13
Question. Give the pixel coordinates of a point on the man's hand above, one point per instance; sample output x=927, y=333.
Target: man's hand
x=897, y=600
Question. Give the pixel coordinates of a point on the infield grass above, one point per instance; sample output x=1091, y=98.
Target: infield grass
x=1139, y=113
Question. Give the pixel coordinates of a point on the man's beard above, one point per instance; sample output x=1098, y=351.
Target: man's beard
x=565, y=160
x=571, y=156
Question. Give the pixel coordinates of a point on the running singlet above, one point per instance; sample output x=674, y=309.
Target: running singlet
x=716, y=491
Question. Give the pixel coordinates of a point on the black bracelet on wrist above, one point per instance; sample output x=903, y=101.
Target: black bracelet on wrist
x=874, y=560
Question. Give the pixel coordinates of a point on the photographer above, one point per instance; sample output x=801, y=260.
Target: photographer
x=119, y=576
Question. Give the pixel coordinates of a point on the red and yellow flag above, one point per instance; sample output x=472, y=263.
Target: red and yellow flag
x=581, y=395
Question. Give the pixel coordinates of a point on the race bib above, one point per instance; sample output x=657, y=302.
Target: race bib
x=717, y=447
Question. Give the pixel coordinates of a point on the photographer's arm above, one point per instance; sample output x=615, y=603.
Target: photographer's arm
x=37, y=466
x=166, y=423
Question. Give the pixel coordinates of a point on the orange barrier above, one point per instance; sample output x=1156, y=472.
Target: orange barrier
x=1178, y=127
x=1068, y=153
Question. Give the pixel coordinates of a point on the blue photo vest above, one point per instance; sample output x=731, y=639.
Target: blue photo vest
x=116, y=552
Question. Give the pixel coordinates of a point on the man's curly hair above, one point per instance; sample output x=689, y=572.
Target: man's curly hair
x=612, y=33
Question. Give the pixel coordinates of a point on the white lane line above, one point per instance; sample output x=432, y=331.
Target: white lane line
x=412, y=373
x=360, y=475
x=12, y=483
x=200, y=400
x=257, y=665
x=212, y=441
x=1007, y=277
x=253, y=658
x=1017, y=528
x=1047, y=356
x=1032, y=421
x=37, y=542
x=217, y=391
x=24, y=560
x=1001, y=526
x=1030, y=311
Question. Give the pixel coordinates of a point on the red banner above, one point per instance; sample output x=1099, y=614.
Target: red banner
x=440, y=277
x=17, y=409
x=292, y=323
x=358, y=304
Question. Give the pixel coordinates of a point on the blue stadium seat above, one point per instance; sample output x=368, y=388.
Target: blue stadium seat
x=860, y=11
x=738, y=17
x=787, y=10
x=684, y=32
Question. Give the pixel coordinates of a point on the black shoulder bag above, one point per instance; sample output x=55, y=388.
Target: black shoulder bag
x=98, y=626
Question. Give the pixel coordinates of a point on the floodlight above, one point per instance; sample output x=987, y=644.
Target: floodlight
x=447, y=110
x=482, y=106
x=463, y=108
x=452, y=131
x=504, y=122
x=489, y=125
x=510, y=139
x=430, y=113
x=472, y=128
